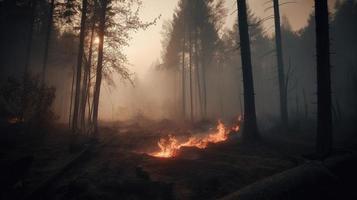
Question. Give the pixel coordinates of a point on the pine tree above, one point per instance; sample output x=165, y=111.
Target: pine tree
x=250, y=131
x=324, y=114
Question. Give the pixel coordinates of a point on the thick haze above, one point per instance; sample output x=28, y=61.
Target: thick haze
x=152, y=90
x=147, y=44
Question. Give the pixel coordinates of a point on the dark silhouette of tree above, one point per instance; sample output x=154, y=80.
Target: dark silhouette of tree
x=103, y=10
x=79, y=66
x=280, y=66
x=324, y=114
x=86, y=79
x=33, y=5
x=47, y=40
x=250, y=130
x=114, y=16
x=190, y=52
x=183, y=72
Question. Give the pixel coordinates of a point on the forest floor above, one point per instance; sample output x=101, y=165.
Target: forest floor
x=117, y=167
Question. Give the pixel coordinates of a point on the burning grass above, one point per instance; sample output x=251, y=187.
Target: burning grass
x=170, y=145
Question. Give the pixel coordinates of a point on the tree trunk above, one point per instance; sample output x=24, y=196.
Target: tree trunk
x=190, y=66
x=324, y=115
x=198, y=75
x=33, y=5
x=47, y=41
x=99, y=65
x=71, y=100
x=183, y=72
x=86, y=78
x=30, y=34
x=79, y=66
x=280, y=63
x=250, y=130
x=204, y=83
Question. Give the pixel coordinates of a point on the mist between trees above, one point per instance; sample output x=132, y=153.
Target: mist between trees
x=199, y=73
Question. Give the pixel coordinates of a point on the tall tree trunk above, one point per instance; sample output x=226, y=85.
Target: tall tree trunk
x=47, y=41
x=280, y=63
x=71, y=100
x=99, y=65
x=30, y=34
x=33, y=5
x=250, y=130
x=86, y=77
x=204, y=83
x=89, y=116
x=324, y=115
x=79, y=66
x=190, y=66
x=183, y=72
x=198, y=79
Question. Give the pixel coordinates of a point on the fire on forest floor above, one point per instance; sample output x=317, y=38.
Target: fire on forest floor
x=116, y=170
x=170, y=144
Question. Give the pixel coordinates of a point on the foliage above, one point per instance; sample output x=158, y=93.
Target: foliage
x=122, y=20
x=27, y=99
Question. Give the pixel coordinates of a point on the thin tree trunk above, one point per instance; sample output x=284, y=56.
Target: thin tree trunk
x=71, y=100
x=99, y=66
x=204, y=83
x=29, y=44
x=324, y=115
x=85, y=79
x=250, y=130
x=198, y=76
x=33, y=5
x=47, y=41
x=280, y=63
x=79, y=66
x=190, y=65
x=89, y=120
x=183, y=72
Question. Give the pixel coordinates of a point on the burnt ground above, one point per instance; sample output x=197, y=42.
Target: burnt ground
x=116, y=167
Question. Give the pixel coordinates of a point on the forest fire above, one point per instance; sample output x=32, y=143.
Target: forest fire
x=170, y=145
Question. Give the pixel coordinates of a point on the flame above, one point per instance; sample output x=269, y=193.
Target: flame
x=14, y=120
x=170, y=145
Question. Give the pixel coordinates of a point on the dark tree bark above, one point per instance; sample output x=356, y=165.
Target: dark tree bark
x=198, y=79
x=86, y=79
x=250, y=130
x=190, y=66
x=71, y=100
x=30, y=34
x=47, y=40
x=324, y=115
x=79, y=66
x=204, y=83
x=98, y=82
x=183, y=71
x=280, y=65
x=33, y=5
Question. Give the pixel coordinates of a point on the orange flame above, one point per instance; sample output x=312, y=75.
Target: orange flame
x=170, y=146
x=14, y=120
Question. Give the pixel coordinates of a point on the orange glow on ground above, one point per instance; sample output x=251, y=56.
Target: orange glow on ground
x=170, y=145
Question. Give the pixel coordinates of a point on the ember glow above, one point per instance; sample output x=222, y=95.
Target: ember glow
x=14, y=120
x=170, y=145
